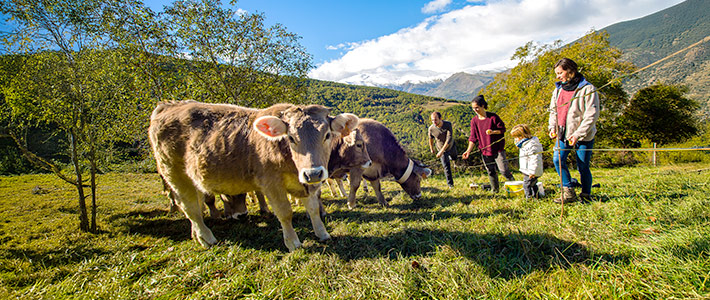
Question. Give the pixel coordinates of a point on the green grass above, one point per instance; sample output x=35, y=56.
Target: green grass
x=645, y=237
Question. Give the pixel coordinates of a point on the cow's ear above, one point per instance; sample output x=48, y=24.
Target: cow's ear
x=422, y=172
x=271, y=127
x=344, y=123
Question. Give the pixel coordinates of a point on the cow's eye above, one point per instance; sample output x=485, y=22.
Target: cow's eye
x=359, y=145
x=290, y=139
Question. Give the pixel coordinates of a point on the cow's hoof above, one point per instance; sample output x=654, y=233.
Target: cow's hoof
x=325, y=238
x=293, y=246
x=207, y=243
x=352, y=205
x=205, y=239
x=239, y=215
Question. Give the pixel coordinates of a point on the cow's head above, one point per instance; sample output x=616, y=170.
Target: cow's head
x=309, y=132
x=411, y=180
x=352, y=151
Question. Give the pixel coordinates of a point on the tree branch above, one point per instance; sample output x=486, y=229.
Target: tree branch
x=40, y=162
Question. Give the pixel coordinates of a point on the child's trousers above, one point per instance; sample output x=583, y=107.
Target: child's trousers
x=530, y=186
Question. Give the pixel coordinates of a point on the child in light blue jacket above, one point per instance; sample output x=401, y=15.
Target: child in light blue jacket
x=530, y=158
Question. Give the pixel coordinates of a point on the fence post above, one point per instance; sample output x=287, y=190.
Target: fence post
x=654, y=154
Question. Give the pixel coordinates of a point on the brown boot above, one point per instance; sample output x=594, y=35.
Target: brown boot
x=567, y=195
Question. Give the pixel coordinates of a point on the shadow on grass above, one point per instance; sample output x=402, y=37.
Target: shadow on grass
x=409, y=204
x=356, y=216
x=253, y=231
x=502, y=255
x=157, y=223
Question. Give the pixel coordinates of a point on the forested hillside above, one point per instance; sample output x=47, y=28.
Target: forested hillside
x=655, y=36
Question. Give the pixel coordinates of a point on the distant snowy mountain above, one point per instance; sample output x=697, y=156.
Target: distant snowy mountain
x=460, y=86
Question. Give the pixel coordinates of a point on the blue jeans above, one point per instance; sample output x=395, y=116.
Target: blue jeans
x=583, y=158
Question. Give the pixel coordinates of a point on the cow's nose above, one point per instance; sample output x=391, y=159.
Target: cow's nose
x=367, y=164
x=313, y=175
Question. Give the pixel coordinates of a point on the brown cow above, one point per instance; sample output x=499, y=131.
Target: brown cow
x=348, y=152
x=351, y=153
x=227, y=149
x=388, y=158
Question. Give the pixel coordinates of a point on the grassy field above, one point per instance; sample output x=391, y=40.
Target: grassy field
x=646, y=236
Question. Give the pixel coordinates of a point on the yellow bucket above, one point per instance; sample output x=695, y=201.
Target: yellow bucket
x=514, y=188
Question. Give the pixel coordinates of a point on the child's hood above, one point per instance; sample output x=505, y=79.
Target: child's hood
x=525, y=141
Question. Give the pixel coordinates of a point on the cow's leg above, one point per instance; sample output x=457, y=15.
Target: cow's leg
x=314, y=207
x=282, y=209
x=235, y=206
x=378, y=191
x=191, y=201
x=355, y=178
x=329, y=183
x=343, y=193
x=210, y=202
x=168, y=192
x=258, y=196
x=321, y=209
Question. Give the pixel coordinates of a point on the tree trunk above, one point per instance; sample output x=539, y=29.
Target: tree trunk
x=83, y=218
x=92, y=161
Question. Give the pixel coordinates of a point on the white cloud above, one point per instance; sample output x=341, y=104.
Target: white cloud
x=240, y=12
x=435, y=6
x=475, y=38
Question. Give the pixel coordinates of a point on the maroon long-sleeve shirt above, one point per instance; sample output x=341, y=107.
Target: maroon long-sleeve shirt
x=478, y=134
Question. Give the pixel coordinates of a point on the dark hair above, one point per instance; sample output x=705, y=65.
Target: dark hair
x=480, y=101
x=438, y=114
x=567, y=65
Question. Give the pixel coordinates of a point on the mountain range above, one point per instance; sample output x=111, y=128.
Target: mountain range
x=460, y=86
x=644, y=41
x=647, y=40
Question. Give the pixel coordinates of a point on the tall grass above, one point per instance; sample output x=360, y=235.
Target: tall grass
x=645, y=236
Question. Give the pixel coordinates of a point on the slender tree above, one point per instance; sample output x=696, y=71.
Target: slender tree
x=72, y=79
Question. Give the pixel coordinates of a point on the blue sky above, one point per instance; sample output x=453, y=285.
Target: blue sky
x=324, y=24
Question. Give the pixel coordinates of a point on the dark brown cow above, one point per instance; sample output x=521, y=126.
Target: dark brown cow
x=388, y=159
x=226, y=149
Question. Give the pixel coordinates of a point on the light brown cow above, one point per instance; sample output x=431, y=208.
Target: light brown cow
x=388, y=159
x=348, y=152
x=226, y=149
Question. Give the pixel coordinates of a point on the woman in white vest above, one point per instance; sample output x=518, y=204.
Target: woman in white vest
x=574, y=111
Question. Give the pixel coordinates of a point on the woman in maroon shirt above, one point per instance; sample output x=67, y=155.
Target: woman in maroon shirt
x=487, y=131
